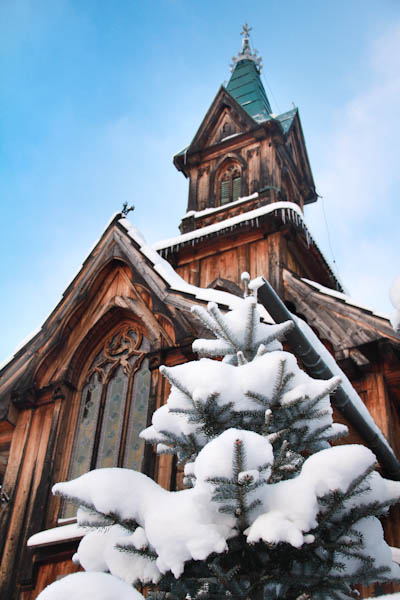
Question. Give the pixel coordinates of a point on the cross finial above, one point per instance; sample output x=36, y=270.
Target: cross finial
x=246, y=53
x=246, y=30
x=126, y=209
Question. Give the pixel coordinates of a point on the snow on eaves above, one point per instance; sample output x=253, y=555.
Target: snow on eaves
x=288, y=211
x=344, y=297
x=208, y=211
x=251, y=215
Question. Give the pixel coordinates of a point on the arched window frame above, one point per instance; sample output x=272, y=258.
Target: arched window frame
x=113, y=395
x=229, y=184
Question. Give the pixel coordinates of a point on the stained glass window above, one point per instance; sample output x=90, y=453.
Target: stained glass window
x=137, y=417
x=113, y=407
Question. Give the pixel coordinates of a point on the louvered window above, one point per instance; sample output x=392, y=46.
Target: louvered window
x=113, y=409
x=230, y=185
x=236, y=188
x=225, y=192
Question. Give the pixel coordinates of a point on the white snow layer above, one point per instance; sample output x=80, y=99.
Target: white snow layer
x=231, y=222
x=208, y=211
x=180, y=526
x=89, y=586
x=395, y=300
x=292, y=505
x=395, y=554
x=205, y=377
x=175, y=281
x=246, y=331
x=387, y=597
x=56, y=534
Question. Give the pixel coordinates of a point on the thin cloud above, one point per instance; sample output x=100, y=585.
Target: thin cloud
x=361, y=178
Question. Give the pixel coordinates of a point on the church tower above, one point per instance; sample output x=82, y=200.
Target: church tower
x=249, y=180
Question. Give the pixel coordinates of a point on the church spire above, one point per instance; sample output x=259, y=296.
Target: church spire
x=245, y=84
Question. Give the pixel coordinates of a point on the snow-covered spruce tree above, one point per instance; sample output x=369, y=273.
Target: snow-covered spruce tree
x=271, y=510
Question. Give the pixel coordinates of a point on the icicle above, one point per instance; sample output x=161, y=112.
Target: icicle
x=283, y=215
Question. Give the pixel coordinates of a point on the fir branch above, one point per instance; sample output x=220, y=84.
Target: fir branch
x=168, y=373
x=131, y=549
x=112, y=518
x=278, y=384
x=207, y=320
x=278, y=333
x=249, y=325
x=226, y=334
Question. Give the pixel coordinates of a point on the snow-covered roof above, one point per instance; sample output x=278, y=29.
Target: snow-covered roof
x=165, y=270
x=344, y=297
x=208, y=211
x=288, y=210
x=175, y=281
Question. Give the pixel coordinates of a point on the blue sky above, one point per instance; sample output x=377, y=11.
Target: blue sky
x=97, y=97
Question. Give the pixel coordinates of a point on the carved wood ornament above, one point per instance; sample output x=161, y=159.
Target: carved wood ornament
x=118, y=350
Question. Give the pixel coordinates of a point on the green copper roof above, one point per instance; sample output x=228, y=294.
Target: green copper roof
x=246, y=88
x=286, y=119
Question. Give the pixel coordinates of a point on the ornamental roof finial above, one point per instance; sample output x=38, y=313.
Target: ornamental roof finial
x=246, y=53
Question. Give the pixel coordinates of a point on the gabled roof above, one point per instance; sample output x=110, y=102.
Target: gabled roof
x=250, y=104
x=120, y=241
x=337, y=317
x=221, y=101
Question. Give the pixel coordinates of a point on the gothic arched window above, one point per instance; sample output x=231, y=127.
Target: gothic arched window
x=113, y=406
x=230, y=185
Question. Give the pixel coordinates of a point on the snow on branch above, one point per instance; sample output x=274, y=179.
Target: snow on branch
x=271, y=509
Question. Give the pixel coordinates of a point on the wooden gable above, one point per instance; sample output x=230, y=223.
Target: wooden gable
x=223, y=110
x=116, y=291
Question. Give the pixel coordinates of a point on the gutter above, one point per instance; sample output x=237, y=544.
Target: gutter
x=316, y=367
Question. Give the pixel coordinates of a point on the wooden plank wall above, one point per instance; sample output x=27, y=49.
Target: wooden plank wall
x=228, y=258
x=26, y=479
x=31, y=473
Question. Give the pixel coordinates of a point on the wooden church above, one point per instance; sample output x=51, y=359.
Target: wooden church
x=76, y=396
